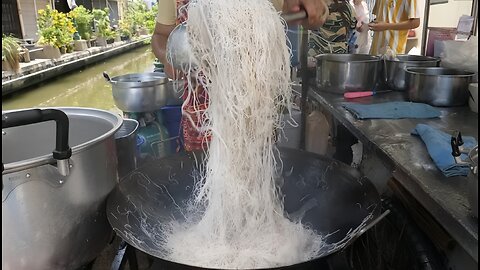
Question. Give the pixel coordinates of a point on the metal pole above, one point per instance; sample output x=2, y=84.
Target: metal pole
x=35, y=8
x=426, y=15
x=304, y=71
x=474, y=14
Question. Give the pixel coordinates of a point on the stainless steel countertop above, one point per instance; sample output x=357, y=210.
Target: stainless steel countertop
x=407, y=157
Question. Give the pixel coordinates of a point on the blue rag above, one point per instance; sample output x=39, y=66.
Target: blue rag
x=440, y=149
x=391, y=110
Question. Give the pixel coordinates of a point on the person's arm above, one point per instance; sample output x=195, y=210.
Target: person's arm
x=164, y=24
x=317, y=11
x=411, y=13
x=405, y=25
x=159, y=46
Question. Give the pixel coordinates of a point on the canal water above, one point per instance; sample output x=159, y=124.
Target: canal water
x=85, y=87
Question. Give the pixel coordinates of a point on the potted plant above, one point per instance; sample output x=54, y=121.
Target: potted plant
x=125, y=29
x=83, y=20
x=102, y=26
x=150, y=18
x=10, y=54
x=56, y=31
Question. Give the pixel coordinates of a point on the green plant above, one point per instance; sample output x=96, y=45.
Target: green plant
x=55, y=28
x=11, y=51
x=139, y=16
x=102, y=23
x=83, y=19
x=124, y=28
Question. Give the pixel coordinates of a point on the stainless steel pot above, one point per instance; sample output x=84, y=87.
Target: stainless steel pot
x=54, y=218
x=438, y=86
x=144, y=92
x=339, y=73
x=126, y=142
x=473, y=181
x=394, y=71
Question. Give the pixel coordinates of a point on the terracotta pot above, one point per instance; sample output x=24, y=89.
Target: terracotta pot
x=80, y=45
x=101, y=41
x=51, y=52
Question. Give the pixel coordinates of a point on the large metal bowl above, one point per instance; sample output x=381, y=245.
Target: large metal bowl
x=438, y=86
x=394, y=70
x=145, y=92
x=339, y=73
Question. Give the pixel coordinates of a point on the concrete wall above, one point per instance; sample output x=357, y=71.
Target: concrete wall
x=447, y=14
x=28, y=16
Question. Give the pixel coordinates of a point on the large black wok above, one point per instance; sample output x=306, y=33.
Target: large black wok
x=152, y=194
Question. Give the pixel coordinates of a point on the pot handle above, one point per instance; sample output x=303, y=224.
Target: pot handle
x=62, y=151
x=107, y=77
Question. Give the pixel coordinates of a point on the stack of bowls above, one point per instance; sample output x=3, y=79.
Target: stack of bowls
x=395, y=75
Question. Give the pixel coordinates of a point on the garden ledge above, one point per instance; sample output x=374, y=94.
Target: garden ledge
x=39, y=70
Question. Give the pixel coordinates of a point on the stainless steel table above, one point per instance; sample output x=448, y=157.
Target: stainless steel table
x=444, y=198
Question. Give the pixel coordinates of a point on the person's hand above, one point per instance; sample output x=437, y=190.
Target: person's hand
x=363, y=27
x=317, y=11
x=378, y=26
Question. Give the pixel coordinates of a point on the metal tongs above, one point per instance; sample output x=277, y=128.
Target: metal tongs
x=179, y=53
x=458, y=148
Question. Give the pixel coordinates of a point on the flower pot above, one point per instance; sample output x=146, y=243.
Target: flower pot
x=110, y=41
x=6, y=66
x=51, y=52
x=25, y=56
x=143, y=32
x=80, y=45
x=101, y=41
x=63, y=50
x=124, y=38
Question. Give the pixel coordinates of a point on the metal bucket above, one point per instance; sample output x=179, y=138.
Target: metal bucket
x=53, y=217
x=126, y=144
x=339, y=73
x=394, y=70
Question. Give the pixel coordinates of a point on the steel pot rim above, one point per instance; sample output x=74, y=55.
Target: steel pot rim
x=368, y=58
x=157, y=79
x=417, y=71
x=48, y=158
x=420, y=59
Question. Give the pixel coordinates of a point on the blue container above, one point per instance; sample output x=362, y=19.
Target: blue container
x=172, y=117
